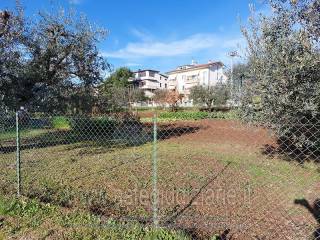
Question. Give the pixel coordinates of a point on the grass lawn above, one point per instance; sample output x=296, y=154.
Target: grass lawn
x=207, y=180
x=31, y=219
x=25, y=133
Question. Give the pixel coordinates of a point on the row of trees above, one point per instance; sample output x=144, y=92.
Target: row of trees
x=202, y=96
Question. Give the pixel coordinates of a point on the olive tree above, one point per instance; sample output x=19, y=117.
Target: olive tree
x=284, y=70
x=210, y=95
x=39, y=56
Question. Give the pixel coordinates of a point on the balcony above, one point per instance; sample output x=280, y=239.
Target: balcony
x=146, y=78
x=172, y=81
x=147, y=84
x=192, y=80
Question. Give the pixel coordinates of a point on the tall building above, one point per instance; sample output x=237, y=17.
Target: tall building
x=149, y=80
x=183, y=78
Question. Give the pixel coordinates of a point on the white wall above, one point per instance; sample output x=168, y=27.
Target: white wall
x=163, y=81
x=206, y=77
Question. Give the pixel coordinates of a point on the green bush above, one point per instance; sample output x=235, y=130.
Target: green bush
x=198, y=115
x=184, y=115
x=60, y=122
x=224, y=115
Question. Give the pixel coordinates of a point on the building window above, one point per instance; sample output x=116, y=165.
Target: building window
x=204, y=77
x=160, y=84
x=142, y=74
x=165, y=85
x=151, y=74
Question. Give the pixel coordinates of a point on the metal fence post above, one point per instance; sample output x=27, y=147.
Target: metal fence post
x=18, y=154
x=155, y=173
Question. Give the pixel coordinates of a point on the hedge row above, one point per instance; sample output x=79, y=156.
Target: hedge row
x=198, y=115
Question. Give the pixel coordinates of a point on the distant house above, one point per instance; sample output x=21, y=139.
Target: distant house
x=149, y=80
x=183, y=78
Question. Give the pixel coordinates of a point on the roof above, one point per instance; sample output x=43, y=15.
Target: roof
x=143, y=70
x=164, y=75
x=194, y=67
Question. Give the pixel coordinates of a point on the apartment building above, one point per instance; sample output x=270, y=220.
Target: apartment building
x=183, y=78
x=149, y=80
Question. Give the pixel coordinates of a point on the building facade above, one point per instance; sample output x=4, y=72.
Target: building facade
x=183, y=78
x=150, y=80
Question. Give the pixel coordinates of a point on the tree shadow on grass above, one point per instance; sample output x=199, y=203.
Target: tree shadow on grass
x=121, y=136
x=290, y=153
x=171, y=131
x=314, y=209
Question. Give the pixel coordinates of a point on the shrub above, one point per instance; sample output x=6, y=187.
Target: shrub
x=60, y=122
x=184, y=115
x=224, y=115
x=93, y=127
x=198, y=115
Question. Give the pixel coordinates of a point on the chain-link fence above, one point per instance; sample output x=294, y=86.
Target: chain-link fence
x=207, y=176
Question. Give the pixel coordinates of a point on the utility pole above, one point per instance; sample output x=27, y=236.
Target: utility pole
x=232, y=54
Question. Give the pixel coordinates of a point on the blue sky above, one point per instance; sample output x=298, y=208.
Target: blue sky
x=160, y=34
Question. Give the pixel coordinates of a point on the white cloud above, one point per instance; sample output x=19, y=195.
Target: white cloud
x=155, y=48
x=141, y=35
x=75, y=2
x=131, y=64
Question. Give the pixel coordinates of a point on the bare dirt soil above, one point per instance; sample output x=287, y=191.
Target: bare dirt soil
x=242, y=193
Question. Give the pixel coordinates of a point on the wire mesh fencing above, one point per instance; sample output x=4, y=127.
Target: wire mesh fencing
x=208, y=176
x=241, y=180
x=7, y=150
